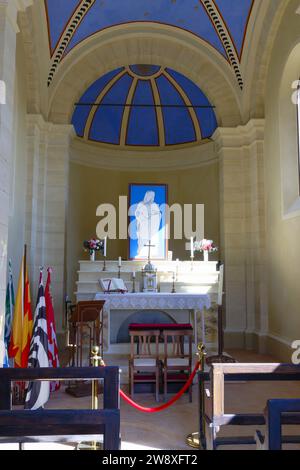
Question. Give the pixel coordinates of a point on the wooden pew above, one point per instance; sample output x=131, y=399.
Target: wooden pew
x=61, y=425
x=212, y=409
x=277, y=412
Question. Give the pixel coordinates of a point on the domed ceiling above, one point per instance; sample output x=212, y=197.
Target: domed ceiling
x=144, y=105
x=222, y=24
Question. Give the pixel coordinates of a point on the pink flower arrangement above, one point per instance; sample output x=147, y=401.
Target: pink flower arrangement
x=205, y=245
x=93, y=245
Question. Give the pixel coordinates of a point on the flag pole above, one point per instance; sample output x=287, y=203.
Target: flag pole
x=24, y=272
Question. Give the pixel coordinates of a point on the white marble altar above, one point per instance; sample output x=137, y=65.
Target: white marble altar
x=196, y=290
x=193, y=303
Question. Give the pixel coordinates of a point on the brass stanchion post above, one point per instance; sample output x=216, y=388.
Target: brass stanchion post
x=96, y=361
x=196, y=440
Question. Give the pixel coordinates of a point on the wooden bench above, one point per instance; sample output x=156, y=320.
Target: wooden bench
x=211, y=401
x=61, y=425
x=277, y=413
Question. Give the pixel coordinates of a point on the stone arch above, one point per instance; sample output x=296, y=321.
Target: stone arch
x=159, y=45
x=265, y=22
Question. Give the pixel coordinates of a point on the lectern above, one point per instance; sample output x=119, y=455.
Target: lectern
x=86, y=331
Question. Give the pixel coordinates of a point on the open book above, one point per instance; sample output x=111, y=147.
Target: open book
x=113, y=285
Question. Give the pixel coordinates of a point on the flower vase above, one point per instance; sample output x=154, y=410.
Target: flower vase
x=205, y=256
x=92, y=255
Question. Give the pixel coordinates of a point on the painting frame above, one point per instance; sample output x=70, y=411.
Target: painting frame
x=136, y=193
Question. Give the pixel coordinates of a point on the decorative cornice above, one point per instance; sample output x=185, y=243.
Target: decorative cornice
x=240, y=136
x=96, y=156
x=62, y=131
x=11, y=8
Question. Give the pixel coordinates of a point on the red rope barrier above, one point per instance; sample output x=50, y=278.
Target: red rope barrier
x=166, y=405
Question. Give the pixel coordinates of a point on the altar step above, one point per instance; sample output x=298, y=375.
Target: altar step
x=196, y=278
x=198, y=267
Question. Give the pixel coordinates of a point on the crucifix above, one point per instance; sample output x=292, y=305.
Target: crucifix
x=149, y=246
x=149, y=273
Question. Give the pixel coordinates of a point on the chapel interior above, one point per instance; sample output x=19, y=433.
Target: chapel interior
x=201, y=99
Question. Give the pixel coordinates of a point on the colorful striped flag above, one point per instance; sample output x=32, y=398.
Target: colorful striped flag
x=9, y=309
x=21, y=333
x=51, y=330
x=38, y=392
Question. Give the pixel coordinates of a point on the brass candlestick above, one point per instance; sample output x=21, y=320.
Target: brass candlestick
x=119, y=273
x=133, y=285
x=104, y=265
x=177, y=271
x=173, y=286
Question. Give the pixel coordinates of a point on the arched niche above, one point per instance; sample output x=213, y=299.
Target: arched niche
x=143, y=316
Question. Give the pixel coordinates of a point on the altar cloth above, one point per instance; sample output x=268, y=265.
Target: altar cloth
x=148, y=300
x=196, y=303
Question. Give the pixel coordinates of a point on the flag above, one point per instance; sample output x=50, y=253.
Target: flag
x=9, y=308
x=51, y=330
x=5, y=360
x=38, y=392
x=9, y=305
x=21, y=332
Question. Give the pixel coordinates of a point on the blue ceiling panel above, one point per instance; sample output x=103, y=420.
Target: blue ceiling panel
x=188, y=15
x=106, y=126
x=206, y=116
x=179, y=127
x=79, y=119
x=59, y=12
x=142, y=128
x=236, y=14
x=81, y=113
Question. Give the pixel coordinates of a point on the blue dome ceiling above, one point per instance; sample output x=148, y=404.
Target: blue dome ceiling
x=222, y=24
x=146, y=106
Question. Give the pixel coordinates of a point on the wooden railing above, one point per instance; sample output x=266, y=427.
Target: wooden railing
x=212, y=400
x=62, y=425
x=277, y=412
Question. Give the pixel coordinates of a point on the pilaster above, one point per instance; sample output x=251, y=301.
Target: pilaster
x=8, y=30
x=47, y=200
x=242, y=221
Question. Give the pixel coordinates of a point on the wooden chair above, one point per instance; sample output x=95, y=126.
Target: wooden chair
x=86, y=321
x=144, y=364
x=177, y=364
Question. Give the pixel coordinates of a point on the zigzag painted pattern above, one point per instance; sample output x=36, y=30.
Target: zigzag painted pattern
x=70, y=29
x=225, y=37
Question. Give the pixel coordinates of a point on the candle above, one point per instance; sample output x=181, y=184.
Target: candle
x=192, y=247
x=105, y=246
x=120, y=262
x=133, y=275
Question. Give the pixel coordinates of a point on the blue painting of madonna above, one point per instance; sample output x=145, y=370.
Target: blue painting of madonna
x=147, y=221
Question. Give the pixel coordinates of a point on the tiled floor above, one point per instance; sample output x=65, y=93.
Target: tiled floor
x=168, y=430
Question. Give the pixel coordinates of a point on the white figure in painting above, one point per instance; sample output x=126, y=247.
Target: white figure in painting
x=148, y=219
